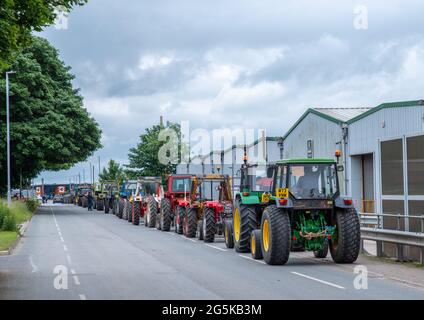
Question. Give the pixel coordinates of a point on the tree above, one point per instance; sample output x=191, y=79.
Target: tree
x=114, y=172
x=50, y=128
x=19, y=18
x=144, y=158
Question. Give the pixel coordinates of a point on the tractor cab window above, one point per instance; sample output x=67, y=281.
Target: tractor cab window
x=150, y=188
x=209, y=190
x=131, y=187
x=259, y=179
x=313, y=181
x=181, y=185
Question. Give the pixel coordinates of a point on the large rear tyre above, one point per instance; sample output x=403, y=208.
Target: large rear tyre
x=114, y=201
x=345, y=247
x=276, y=236
x=179, y=218
x=136, y=213
x=255, y=244
x=165, y=214
x=200, y=230
x=190, y=223
x=244, y=221
x=209, y=225
x=151, y=212
x=228, y=234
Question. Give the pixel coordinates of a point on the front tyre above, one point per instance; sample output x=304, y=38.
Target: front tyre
x=255, y=244
x=151, y=212
x=276, y=236
x=346, y=245
x=228, y=234
x=179, y=218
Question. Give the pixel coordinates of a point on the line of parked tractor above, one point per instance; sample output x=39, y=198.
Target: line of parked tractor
x=291, y=205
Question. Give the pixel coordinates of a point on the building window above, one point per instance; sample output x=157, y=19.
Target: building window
x=415, y=147
x=310, y=148
x=392, y=167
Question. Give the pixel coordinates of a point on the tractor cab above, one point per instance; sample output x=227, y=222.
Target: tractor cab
x=305, y=184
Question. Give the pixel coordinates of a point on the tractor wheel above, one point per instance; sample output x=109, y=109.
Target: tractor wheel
x=228, y=234
x=276, y=235
x=323, y=252
x=255, y=244
x=200, y=229
x=179, y=218
x=244, y=221
x=136, y=213
x=209, y=225
x=106, y=206
x=345, y=247
x=130, y=214
x=166, y=214
x=190, y=223
x=120, y=208
x=124, y=210
x=84, y=203
x=151, y=212
x=100, y=205
x=114, y=206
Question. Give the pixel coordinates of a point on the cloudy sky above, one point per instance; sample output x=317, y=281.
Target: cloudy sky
x=234, y=64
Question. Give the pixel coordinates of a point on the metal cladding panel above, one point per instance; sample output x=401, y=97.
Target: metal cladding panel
x=273, y=151
x=385, y=124
x=324, y=134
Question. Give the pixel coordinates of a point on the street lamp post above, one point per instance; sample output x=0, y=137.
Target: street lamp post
x=9, y=196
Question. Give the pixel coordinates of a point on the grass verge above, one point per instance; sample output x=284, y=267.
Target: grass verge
x=7, y=239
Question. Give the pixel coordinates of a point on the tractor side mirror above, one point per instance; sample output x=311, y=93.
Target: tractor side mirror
x=270, y=172
x=340, y=168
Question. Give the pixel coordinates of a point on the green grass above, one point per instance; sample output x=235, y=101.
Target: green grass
x=20, y=211
x=7, y=238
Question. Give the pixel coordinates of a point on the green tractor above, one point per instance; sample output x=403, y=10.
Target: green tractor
x=99, y=196
x=295, y=206
x=111, y=195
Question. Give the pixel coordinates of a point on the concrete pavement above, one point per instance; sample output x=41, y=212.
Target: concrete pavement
x=108, y=258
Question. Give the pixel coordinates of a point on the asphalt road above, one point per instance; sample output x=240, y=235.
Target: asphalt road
x=108, y=258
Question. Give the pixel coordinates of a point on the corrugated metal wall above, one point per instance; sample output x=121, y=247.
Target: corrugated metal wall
x=324, y=133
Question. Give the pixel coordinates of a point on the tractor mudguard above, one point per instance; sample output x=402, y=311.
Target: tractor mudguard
x=249, y=199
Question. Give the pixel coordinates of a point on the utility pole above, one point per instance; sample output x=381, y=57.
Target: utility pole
x=9, y=196
x=99, y=170
x=83, y=175
x=91, y=178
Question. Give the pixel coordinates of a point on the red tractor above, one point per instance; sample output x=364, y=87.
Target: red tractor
x=211, y=205
x=176, y=198
x=144, y=202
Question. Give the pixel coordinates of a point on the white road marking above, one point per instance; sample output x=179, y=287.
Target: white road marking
x=76, y=280
x=34, y=267
x=82, y=297
x=318, y=280
x=189, y=239
x=61, y=239
x=68, y=257
x=250, y=258
x=65, y=248
x=215, y=247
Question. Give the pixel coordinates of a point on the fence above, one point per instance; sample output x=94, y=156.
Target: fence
x=372, y=228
